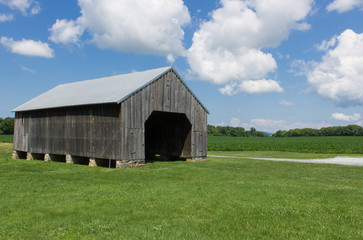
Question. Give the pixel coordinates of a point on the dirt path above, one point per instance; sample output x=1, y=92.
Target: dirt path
x=336, y=160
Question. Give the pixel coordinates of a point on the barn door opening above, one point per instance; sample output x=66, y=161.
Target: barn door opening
x=168, y=135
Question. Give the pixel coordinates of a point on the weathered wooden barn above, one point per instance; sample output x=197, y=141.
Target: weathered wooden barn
x=122, y=120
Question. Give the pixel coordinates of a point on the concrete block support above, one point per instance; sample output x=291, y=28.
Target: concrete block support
x=69, y=158
x=47, y=157
x=92, y=162
x=130, y=163
x=29, y=156
x=15, y=155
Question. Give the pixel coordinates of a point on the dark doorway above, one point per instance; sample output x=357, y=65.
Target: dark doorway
x=168, y=135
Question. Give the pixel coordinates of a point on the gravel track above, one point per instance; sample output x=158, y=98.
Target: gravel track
x=336, y=160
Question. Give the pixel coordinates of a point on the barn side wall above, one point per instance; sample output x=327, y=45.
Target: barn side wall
x=167, y=94
x=91, y=131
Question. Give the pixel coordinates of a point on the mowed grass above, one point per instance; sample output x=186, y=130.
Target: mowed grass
x=214, y=199
x=321, y=145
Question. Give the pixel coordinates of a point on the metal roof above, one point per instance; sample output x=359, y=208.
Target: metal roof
x=113, y=89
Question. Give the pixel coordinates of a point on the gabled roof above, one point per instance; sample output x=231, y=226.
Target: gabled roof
x=113, y=89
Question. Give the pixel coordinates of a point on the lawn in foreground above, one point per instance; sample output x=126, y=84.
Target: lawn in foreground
x=215, y=199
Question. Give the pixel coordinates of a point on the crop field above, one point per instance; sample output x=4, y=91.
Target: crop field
x=6, y=138
x=326, y=145
x=215, y=199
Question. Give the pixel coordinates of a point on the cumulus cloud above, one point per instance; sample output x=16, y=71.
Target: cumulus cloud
x=348, y=118
x=317, y=125
x=267, y=125
x=138, y=26
x=6, y=17
x=235, y=122
x=66, y=31
x=27, y=47
x=260, y=86
x=326, y=44
x=267, y=122
x=229, y=89
x=23, y=6
x=339, y=76
x=344, y=5
x=35, y=9
x=270, y=125
x=228, y=49
x=299, y=67
x=252, y=87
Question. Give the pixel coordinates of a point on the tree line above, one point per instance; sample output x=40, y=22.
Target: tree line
x=350, y=130
x=233, y=131
x=7, y=125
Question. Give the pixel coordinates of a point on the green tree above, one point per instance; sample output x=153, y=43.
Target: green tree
x=7, y=126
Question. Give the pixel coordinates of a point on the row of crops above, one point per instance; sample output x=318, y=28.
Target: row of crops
x=6, y=138
x=348, y=145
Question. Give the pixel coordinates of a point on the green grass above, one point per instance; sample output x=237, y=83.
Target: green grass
x=278, y=154
x=6, y=138
x=324, y=145
x=215, y=199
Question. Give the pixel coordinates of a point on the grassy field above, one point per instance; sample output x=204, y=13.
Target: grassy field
x=324, y=145
x=215, y=199
x=6, y=138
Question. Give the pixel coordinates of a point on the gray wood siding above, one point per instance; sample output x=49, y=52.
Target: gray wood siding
x=91, y=131
x=112, y=131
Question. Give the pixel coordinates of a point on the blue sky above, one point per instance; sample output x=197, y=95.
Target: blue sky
x=268, y=64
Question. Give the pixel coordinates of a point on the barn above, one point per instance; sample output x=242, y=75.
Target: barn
x=120, y=121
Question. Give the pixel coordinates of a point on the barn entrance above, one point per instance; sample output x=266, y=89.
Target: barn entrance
x=168, y=135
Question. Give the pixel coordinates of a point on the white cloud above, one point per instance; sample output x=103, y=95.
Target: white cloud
x=66, y=31
x=221, y=124
x=6, y=17
x=267, y=122
x=138, y=26
x=227, y=49
x=27, y=47
x=339, y=76
x=170, y=58
x=267, y=125
x=260, y=86
x=235, y=122
x=28, y=69
x=348, y=118
x=35, y=9
x=23, y=5
x=317, y=125
x=286, y=103
x=299, y=67
x=251, y=87
x=344, y=5
x=325, y=45
x=229, y=89
x=270, y=125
